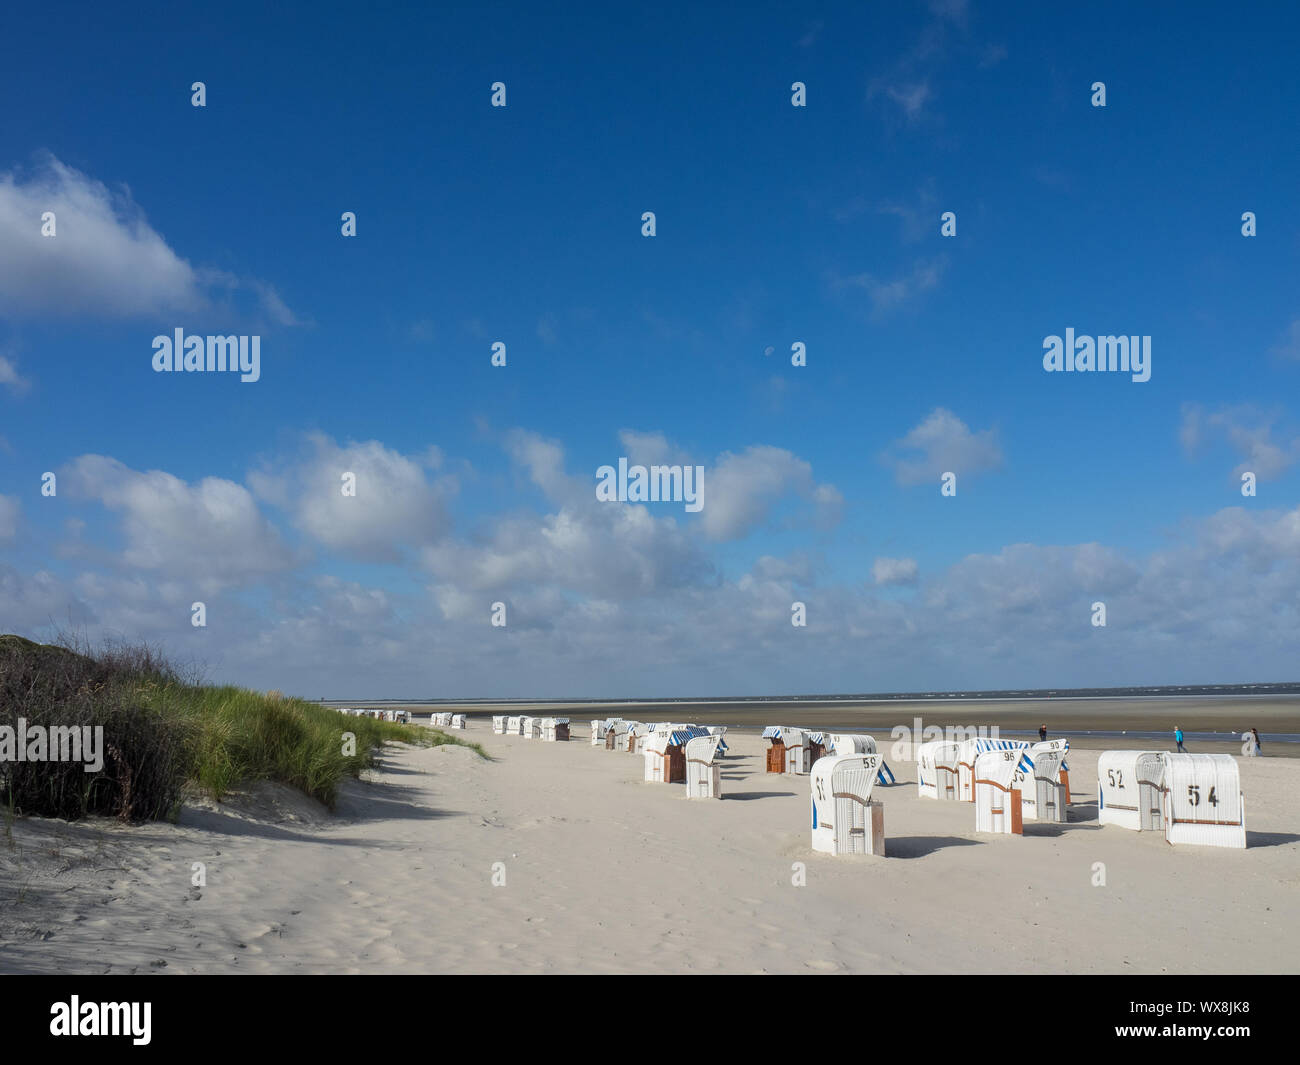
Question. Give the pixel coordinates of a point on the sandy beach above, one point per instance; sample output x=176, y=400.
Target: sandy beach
x=606, y=873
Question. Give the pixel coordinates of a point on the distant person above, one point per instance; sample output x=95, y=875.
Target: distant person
x=1042, y=733
x=1255, y=732
x=1178, y=739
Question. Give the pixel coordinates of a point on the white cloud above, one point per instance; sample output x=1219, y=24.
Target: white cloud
x=1248, y=431
x=919, y=217
x=894, y=571
x=652, y=449
x=796, y=569
x=602, y=550
x=543, y=461
x=11, y=378
x=741, y=491
x=210, y=532
x=890, y=295
x=105, y=259
x=910, y=97
x=943, y=443
x=399, y=500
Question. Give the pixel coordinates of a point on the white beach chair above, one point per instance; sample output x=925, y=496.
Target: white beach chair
x=1202, y=800
x=997, y=800
x=703, y=774
x=845, y=820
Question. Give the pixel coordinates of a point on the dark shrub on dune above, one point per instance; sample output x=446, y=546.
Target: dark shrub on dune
x=146, y=755
x=162, y=733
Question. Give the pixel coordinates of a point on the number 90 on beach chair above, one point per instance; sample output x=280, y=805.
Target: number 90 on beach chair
x=1044, y=795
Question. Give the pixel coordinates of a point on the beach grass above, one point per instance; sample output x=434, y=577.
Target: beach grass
x=165, y=732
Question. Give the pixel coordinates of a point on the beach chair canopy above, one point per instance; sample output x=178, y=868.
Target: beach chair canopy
x=702, y=749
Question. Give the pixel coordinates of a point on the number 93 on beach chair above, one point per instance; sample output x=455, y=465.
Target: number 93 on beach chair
x=845, y=819
x=1042, y=782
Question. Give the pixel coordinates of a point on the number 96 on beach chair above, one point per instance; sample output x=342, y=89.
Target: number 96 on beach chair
x=845, y=819
x=997, y=801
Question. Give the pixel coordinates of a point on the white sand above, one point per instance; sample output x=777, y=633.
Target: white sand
x=606, y=873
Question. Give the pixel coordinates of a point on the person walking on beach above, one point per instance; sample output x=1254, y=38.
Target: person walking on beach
x=1178, y=739
x=1255, y=732
x=1042, y=732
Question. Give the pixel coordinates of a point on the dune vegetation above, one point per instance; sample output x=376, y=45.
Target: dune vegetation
x=164, y=734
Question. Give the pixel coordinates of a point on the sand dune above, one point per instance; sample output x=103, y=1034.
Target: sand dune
x=605, y=873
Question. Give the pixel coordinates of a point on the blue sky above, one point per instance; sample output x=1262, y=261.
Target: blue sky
x=775, y=224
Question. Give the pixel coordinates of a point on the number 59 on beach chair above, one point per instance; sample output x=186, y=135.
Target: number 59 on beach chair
x=845, y=819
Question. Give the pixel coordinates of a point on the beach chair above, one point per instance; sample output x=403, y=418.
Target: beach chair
x=937, y=769
x=1202, y=801
x=703, y=774
x=845, y=819
x=1128, y=790
x=1042, y=795
x=970, y=749
x=997, y=801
